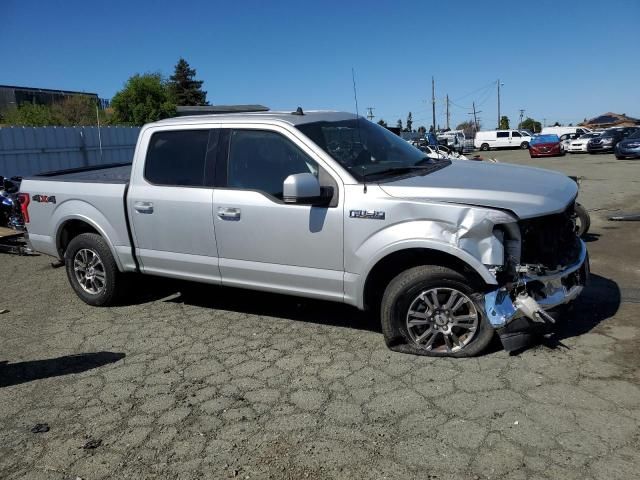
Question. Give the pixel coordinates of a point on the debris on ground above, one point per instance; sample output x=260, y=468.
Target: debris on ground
x=92, y=444
x=39, y=427
x=631, y=217
x=3, y=310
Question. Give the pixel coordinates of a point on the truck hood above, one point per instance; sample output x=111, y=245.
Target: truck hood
x=526, y=191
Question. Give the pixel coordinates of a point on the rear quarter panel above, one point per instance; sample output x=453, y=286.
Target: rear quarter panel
x=98, y=204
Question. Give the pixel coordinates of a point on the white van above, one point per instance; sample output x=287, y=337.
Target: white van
x=486, y=140
x=559, y=131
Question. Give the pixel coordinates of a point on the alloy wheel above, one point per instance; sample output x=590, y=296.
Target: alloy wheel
x=89, y=271
x=442, y=320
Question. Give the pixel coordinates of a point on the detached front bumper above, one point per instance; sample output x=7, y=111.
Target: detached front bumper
x=514, y=312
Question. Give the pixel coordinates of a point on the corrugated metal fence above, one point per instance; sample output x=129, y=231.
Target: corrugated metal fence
x=29, y=150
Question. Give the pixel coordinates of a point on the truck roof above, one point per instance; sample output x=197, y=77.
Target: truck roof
x=292, y=118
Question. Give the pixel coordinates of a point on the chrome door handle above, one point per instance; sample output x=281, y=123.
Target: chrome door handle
x=226, y=213
x=143, y=207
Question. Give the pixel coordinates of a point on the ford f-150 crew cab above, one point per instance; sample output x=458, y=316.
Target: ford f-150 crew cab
x=325, y=205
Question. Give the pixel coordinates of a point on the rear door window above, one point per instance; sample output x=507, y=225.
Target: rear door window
x=516, y=134
x=502, y=134
x=177, y=158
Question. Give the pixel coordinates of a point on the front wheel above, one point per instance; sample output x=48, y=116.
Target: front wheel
x=430, y=310
x=582, y=219
x=92, y=270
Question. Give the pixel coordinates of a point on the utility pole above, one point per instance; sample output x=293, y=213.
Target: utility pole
x=521, y=117
x=498, y=103
x=544, y=122
x=475, y=116
x=370, y=114
x=433, y=104
x=448, y=117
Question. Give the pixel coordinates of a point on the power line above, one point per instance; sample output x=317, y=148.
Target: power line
x=486, y=87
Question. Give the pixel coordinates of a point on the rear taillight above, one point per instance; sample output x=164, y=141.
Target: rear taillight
x=23, y=199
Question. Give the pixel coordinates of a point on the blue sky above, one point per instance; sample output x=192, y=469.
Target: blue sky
x=562, y=60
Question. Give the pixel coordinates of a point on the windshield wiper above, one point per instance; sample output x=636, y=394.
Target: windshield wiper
x=403, y=169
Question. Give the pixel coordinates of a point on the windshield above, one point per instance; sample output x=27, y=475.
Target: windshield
x=611, y=133
x=544, y=139
x=635, y=134
x=369, y=150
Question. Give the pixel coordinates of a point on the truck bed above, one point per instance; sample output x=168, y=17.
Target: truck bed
x=94, y=195
x=112, y=173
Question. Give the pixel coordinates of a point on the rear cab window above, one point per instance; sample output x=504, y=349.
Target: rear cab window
x=177, y=158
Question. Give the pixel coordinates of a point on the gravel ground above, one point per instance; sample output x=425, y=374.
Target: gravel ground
x=192, y=381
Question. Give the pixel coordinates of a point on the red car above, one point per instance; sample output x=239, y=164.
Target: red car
x=545, y=146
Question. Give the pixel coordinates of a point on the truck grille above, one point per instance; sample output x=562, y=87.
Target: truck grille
x=550, y=240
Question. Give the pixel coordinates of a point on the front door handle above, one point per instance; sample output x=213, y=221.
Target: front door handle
x=143, y=207
x=227, y=213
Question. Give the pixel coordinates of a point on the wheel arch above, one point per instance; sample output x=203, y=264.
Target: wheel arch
x=385, y=268
x=74, y=225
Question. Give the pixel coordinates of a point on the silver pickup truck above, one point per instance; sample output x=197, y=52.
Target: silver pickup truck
x=325, y=205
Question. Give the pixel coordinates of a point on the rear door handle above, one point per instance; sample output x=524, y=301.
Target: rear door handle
x=143, y=207
x=227, y=213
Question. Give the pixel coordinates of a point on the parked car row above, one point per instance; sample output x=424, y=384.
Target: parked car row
x=554, y=141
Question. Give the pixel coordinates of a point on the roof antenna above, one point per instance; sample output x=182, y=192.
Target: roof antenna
x=355, y=98
x=99, y=135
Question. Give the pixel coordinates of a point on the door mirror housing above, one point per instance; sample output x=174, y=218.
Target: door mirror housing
x=304, y=189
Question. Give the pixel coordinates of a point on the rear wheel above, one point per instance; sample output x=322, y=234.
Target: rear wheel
x=484, y=147
x=524, y=145
x=92, y=270
x=430, y=310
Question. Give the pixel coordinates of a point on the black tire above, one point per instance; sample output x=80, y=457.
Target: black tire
x=524, y=145
x=484, y=147
x=619, y=157
x=403, y=292
x=583, y=220
x=109, y=293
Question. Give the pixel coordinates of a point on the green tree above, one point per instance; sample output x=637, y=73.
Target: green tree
x=184, y=88
x=409, y=122
x=504, y=122
x=73, y=110
x=144, y=98
x=382, y=123
x=77, y=110
x=29, y=115
x=422, y=130
x=530, y=124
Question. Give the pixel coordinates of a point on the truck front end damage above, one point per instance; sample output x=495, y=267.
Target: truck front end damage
x=546, y=266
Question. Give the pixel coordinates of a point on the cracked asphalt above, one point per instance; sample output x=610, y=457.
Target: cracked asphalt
x=191, y=381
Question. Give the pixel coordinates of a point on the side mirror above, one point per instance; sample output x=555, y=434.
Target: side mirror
x=303, y=188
